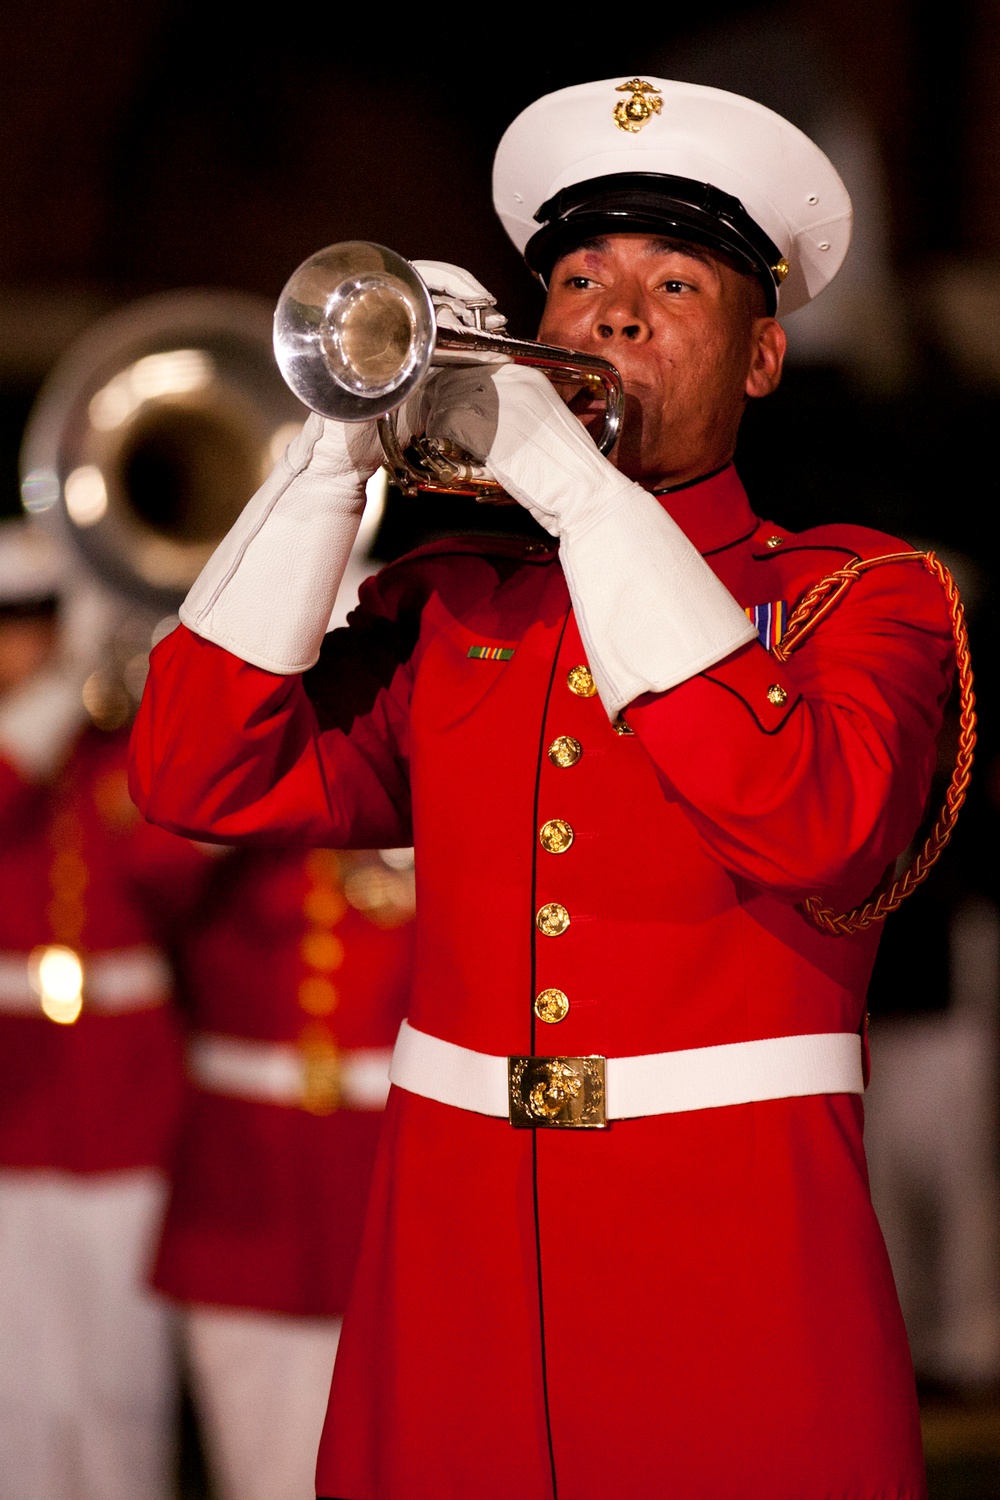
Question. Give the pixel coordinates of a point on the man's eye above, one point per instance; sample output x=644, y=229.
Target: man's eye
x=676, y=286
x=579, y=283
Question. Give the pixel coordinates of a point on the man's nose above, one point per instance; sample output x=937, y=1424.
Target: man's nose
x=621, y=318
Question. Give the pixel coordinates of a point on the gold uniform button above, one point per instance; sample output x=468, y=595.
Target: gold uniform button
x=317, y=995
x=774, y=541
x=620, y=727
x=581, y=682
x=551, y=1006
x=322, y=950
x=552, y=919
x=776, y=694
x=555, y=836
x=565, y=751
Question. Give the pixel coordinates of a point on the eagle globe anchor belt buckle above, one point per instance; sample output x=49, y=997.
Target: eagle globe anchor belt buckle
x=557, y=1092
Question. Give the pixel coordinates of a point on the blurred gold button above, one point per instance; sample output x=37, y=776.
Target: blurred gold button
x=324, y=905
x=555, y=836
x=551, y=1006
x=322, y=950
x=565, y=751
x=580, y=682
x=620, y=727
x=317, y=996
x=552, y=919
x=776, y=694
x=774, y=541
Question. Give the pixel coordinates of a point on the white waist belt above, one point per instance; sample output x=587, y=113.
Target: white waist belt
x=116, y=981
x=282, y=1073
x=656, y=1083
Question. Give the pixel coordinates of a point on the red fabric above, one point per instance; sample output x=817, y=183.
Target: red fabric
x=699, y=1303
x=103, y=1093
x=267, y=1201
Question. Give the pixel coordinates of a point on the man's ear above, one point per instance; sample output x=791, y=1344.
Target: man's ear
x=768, y=345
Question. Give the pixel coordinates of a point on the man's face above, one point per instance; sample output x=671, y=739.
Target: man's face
x=688, y=336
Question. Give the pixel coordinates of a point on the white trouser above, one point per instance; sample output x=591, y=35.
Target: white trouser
x=931, y=1139
x=87, y=1358
x=260, y=1383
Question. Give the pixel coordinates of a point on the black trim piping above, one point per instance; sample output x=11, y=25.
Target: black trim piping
x=672, y=489
x=738, y=695
x=534, y=1021
x=817, y=547
x=738, y=542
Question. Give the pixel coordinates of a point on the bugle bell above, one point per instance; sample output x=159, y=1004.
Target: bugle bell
x=356, y=331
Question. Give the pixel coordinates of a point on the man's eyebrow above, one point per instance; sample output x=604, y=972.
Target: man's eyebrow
x=665, y=246
x=599, y=243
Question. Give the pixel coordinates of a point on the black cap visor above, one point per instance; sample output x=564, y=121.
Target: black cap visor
x=654, y=203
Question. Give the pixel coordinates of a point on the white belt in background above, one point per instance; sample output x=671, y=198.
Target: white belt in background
x=114, y=982
x=283, y=1073
x=590, y=1091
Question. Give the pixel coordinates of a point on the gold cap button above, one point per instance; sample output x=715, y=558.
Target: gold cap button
x=565, y=751
x=551, y=1006
x=776, y=694
x=774, y=541
x=555, y=836
x=580, y=682
x=552, y=919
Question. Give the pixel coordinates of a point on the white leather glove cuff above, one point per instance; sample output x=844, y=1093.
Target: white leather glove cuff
x=267, y=592
x=650, y=610
x=39, y=722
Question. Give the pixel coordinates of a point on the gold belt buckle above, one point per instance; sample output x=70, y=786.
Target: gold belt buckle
x=557, y=1092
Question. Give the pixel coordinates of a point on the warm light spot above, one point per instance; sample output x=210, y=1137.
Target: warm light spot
x=56, y=976
x=86, y=495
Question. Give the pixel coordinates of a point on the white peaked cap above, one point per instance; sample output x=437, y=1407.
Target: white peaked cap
x=788, y=188
x=32, y=568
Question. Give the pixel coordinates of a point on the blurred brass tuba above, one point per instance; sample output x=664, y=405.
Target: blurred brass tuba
x=152, y=432
x=356, y=331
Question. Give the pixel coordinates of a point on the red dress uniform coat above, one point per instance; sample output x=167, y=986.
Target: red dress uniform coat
x=268, y=1197
x=80, y=868
x=696, y=1304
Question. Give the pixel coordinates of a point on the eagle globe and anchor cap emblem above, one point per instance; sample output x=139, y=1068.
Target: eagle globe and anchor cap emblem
x=644, y=102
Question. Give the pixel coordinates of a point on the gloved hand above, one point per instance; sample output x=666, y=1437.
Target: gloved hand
x=650, y=610
x=267, y=592
x=454, y=291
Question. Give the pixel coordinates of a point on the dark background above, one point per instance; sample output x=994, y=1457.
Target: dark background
x=178, y=144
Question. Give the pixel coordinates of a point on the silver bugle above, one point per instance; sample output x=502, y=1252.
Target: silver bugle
x=356, y=332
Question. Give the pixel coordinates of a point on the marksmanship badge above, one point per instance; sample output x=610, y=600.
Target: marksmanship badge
x=632, y=114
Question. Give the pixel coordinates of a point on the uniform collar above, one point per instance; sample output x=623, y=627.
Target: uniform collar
x=713, y=512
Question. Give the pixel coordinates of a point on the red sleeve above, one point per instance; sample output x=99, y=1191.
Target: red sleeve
x=223, y=750
x=812, y=775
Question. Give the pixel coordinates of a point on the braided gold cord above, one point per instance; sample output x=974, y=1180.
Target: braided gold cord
x=813, y=608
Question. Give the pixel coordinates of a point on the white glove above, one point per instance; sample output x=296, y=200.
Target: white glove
x=454, y=292
x=650, y=610
x=267, y=591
